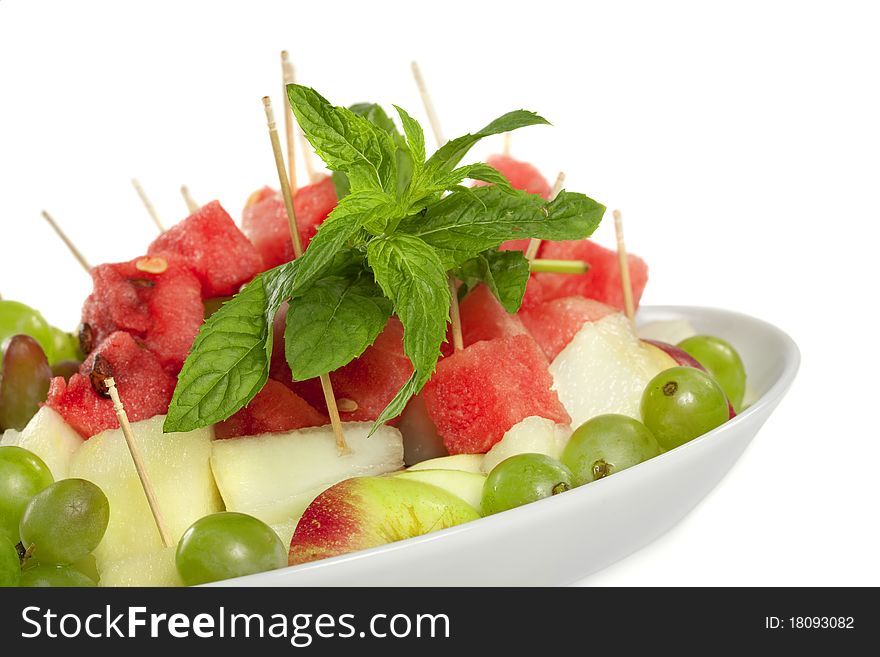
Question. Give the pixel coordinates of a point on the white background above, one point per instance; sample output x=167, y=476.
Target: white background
x=740, y=141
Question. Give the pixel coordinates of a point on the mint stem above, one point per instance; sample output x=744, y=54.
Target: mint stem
x=560, y=266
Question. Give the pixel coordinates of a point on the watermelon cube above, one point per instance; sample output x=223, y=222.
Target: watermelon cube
x=365, y=386
x=480, y=392
x=601, y=282
x=215, y=250
x=145, y=387
x=275, y=408
x=154, y=298
x=484, y=318
x=264, y=219
x=554, y=323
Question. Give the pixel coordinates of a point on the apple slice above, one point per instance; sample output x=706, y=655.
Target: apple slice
x=157, y=568
x=466, y=485
x=534, y=435
x=276, y=476
x=463, y=462
x=178, y=464
x=605, y=369
x=48, y=436
x=365, y=512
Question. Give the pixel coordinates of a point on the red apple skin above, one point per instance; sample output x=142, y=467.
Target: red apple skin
x=683, y=358
x=366, y=512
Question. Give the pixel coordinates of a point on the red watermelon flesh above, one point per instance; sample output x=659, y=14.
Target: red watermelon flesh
x=601, y=282
x=275, y=408
x=484, y=318
x=215, y=250
x=162, y=309
x=145, y=388
x=554, y=323
x=480, y=392
x=370, y=380
x=264, y=219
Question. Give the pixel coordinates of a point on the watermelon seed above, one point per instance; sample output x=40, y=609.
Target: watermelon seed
x=142, y=282
x=152, y=265
x=86, y=336
x=346, y=405
x=101, y=371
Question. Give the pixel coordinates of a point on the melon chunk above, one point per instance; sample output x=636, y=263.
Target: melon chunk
x=534, y=435
x=157, y=568
x=605, y=369
x=48, y=436
x=478, y=393
x=276, y=476
x=601, y=282
x=179, y=468
x=463, y=462
x=213, y=248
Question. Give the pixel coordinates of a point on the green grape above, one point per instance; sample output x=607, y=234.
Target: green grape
x=43, y=576
x=607, y=444
x=225, y=545
x=19, y=319
x=720, y=358
x=682, y=403
x=65, y=521
x=65, y=346
x=25, y=383
x=10, y=565
x=22, y=475
x=524, y=478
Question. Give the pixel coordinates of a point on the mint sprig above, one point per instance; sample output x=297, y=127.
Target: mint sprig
x=404, y=221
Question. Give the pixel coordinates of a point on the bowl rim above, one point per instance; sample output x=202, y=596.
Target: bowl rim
x=789, y=353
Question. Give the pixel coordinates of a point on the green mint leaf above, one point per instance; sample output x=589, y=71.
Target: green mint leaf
x=462, y=225
x=412, y=276
x=415, y=136
x=505, y=273
x=451, y=153
x=341, y=225
x=398, y=403
x=452, y=181
x=228, y=364
x=347, y=142
x=332, y=323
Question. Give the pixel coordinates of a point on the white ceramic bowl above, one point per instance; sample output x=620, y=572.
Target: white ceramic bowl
x=590, y=527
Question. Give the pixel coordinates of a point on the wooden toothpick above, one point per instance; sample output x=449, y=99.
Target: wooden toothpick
x=623, y=263
x=287, y=77
x=149, y=206
x=304, y=143
x=282, y=177
x=535, y=243
x=70, y=245
x=454, y=310
x=326, y=384
x=429, y=106
x=135, y=452
x=191, y=204
x=506, y=148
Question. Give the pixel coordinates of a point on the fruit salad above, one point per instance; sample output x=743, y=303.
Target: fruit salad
x=423, y=354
